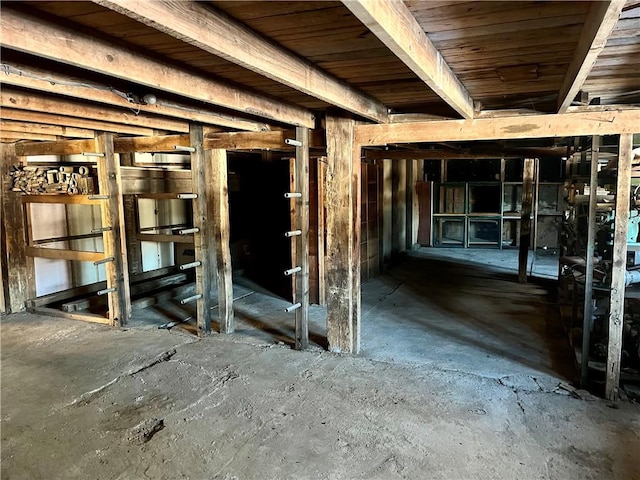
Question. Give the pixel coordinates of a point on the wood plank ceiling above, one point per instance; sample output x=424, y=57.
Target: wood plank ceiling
x=507, y=55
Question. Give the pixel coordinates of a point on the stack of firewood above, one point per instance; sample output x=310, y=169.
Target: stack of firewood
x=35, y=180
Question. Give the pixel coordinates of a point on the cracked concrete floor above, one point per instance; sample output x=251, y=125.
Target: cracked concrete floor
x=86, y=401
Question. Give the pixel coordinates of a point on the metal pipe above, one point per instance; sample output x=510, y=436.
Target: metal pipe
x=292, y=195
x=293, y=307
x=190, y=299
x=187, y=231
x=107, y=290
x=101, y=229
x=104, y=260
x=187, y=196
x=293, y=233
x=190, y=265
x=291, y=141
x=293, y=270
x=98, y=197
x=92, y=154
x=183, y=148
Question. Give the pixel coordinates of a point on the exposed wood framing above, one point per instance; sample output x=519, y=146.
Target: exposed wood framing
x=202, y=214
x=387, y=211
x=343, y=236
x=17, y=271
x=221, y=35
x=59, y=254
x=221, y=238
x=87, y=115
x=245, y=140
x=600, y=22
x=619, y=267
x=394, y=24
x=85, y=317
x=29, y=34
x=114, y=239
x=506, y=128
x=39, y=128
x=587, y=311
x=55, y=83
x=301, y=291
x=525, y=218
x=321, y=165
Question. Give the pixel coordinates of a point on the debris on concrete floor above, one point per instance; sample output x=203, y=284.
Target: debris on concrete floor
x=215, y=408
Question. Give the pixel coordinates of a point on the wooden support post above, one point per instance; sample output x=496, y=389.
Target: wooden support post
x=343, y=236
x=588, y=273
x=387, y=211
x=221, y=237
x=525, y=219
x=203, y=239
x=414, y=174
x=301, y=291
x=321, y=182
x=117, y=272
x=399, y=206
x=616, y=309
x=17, y=269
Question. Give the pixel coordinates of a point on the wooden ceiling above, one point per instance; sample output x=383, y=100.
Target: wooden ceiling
x=446, y=58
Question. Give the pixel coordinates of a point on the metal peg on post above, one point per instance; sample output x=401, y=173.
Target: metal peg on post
x=190, y=299
x=101, y=230
x=188, y=231
x=92, y=154
x=107, y=290
x=292, y=142
x=293, y=307
x=292, y=195
x=98, y=197
x=104, y=260
x=187, y=196
x=293, y=233
x=182, y=148
x=293, y=270
x=190, y=265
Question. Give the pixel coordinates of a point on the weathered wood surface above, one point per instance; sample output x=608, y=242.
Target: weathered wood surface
x=525, y=218
x=619, y=270
x=343, y=239
x=114, y=239
x=221, y=236
x=301, y=292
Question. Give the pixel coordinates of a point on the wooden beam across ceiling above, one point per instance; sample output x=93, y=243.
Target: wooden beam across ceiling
x=35, y=102
x=394, y=24
x=42, y=38
x=41, y=128
x=34, y=78
x=600, y=22
x=223, y=36
x=503, y=128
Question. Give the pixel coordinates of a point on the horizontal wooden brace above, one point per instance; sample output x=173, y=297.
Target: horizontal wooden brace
x=504, y=128
x=58, y=198
x=59, y=254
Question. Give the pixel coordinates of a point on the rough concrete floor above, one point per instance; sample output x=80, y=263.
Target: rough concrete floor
x=458, y=379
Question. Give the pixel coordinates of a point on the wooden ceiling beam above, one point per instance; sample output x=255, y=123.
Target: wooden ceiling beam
x=503, y=128
x=158, y=143
x=600, y=22
x=42, y=38
x=216, y=33
x=394, y=24
x=34, y=78
x=75, y=122
x=46, y=129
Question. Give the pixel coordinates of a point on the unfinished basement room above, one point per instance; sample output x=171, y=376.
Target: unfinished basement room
x=357, y=239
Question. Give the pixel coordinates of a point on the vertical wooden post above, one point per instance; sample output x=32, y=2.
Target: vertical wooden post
x=525, y=219
x=203, y=239
x=117, y=272
x=131, y=221
x=221, y=232
x=387, y=211
x=588, y=273
x=17, y=270
x=415, y=169
x=321, y=181
x=343, y=238
x=301, y=291
x=618, y=271
x=399, y=205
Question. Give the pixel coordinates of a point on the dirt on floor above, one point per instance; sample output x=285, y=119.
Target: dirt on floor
x=87, y=401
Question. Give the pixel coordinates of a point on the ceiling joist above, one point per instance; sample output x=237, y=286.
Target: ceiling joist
x=394, y=24
x=35, y=36
x=600, y=22
x=34, y=78
x=225, y=37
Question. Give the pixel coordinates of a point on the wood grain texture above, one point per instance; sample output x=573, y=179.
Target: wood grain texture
x=301, y=292
x=525, y=218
